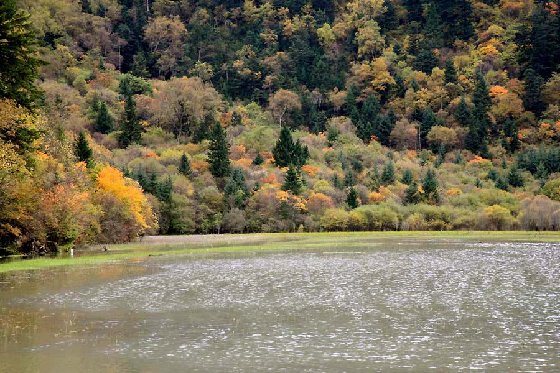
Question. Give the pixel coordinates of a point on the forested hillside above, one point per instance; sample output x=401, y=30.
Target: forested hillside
x=120, y=118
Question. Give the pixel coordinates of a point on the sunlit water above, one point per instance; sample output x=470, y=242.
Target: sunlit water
x=393, y=306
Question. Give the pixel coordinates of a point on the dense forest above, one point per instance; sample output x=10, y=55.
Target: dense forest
x=120, y=118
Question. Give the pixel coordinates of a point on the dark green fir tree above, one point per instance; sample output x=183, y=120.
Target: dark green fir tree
x=383, y=127
x=511, y=141
x=425, y=60
x=218, y=155
x=185, y=165
x=433, y=27
x=532, y=98
x=286, y=152
x=388, y=173
x=104, y=122
x=450, y=74
x=258, y=160
x=501, y=183
x=283, y=150
x=83, y=151
x=292, y=182
x=541, y=173
x=515, y=179
x=18, y=58
x=236, y=191
x=477, y=137
x=407, y=177
x=412, y=194
x=430, y=187
x=164, y=190
x=130, y=128
x=429, y=120
x=352, y=199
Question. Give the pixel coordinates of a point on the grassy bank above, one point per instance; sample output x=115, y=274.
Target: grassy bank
x=189, y=245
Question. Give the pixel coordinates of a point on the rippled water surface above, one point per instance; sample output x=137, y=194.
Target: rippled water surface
x=387, y=306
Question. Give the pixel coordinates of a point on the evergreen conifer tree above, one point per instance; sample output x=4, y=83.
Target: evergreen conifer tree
x=286, y=152
x=515, y=179
x=140, y=65
x=477, y=138
x=383, y=127
x=407, y=177
x=400, y=87
x=349, y=179
x=152, y=184
x=351, y=103
x=236, y=119
x=414, y=10
x=493, y=174
x=541, y=173
x=365, y=124
x=141, y=178
x=429, y=120
x=457, y=17
x=258, y=160
x=532, y=98
x=501, y=183
x=425, y=60
x=164, y=190
x=388, y=173
x=337, y=182
x=104, y=123
x=352, y=199
x=450, y=74
x=18, y=62
x=412, y=194
x=185, y=165
x=430, y=187
x=83, y=151
x=433, y=27
x=283, y=150
x=292, y=181
x=131, y=130
x=218, y=155
x=300, y=154
x=235, y=191
x=511, y=142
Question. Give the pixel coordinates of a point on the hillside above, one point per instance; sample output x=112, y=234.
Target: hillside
x=120, y=118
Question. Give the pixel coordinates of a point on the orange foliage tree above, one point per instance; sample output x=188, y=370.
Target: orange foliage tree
x=127, y=213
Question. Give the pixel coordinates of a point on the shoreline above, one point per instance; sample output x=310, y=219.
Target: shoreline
x=175, y=246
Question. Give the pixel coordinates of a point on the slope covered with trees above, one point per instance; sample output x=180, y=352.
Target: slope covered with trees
x=126, y=117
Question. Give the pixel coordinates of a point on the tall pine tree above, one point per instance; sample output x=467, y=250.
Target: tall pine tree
x=450, y=72
x=286, y=152
x=292, y=182
x=131, y=129
x=430, y=187
x=352, y=199
x=477, y=137
x=18, y=62
x=185, y=165
x=83, y=151
x=532, y=98
x=104, y=122
x=218, y=156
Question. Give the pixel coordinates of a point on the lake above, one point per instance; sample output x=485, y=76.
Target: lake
x=387, y=305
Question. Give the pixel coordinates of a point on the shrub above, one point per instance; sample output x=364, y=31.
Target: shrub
x=496, y=217
x=334, y=220
x=540, y=213
x=551, y=189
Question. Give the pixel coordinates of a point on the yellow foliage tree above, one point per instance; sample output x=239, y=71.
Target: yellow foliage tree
x=135, y=210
